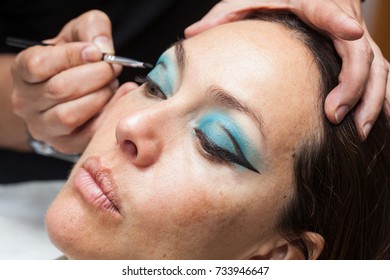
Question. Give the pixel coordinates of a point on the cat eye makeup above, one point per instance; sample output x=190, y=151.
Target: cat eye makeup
x=221, y=138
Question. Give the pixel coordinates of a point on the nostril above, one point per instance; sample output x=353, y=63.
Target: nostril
x=130, y=148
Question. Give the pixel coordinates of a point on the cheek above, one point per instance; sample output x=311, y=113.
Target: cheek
x=185, y=204
x=178, y=207
x=190, y=208
x=220, y=221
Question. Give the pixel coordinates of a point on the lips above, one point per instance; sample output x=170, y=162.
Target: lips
x=94, y=183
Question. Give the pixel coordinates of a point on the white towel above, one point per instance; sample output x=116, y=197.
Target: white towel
x=22, y=220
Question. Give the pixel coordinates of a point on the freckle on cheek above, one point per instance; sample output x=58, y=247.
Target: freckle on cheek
x=200, y=208
x=194, y=209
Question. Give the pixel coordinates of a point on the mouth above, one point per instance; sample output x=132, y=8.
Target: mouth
x=94, y=183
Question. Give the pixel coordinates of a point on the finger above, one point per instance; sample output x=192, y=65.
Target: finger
x=65, y=118
x=68, y=85
x=372, y=101
x=75, y=143
x=77, y=82
x=329, y=17
x=78, y=140
x=93, y=26
x=39, y=63
x=326, y=16
x=357, y=57
x=223, y=12
x=229, y=11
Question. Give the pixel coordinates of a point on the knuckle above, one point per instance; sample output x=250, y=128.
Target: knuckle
x=96, y=15
x=65, y=119
x=55, y=89
x=35, y=63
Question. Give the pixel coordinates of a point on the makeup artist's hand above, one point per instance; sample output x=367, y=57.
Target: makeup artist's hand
x=93, y=26
x=60, y=90
x=365, y=72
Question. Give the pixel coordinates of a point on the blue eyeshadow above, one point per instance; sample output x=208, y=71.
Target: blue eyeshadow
x=213, y=125
x=165, y=74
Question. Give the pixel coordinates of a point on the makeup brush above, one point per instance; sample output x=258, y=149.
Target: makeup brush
x=109, y=58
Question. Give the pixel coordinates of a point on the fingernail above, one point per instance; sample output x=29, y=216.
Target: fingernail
x=114, y=85
x=91, y=53
x=104, y=44
x=366, y=129
x=341, y=112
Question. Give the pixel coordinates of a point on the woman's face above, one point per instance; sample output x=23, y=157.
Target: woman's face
x=198, y=162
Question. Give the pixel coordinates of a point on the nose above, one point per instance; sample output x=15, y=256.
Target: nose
x=141, y=135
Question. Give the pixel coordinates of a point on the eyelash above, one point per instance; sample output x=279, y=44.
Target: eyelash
x=219, y=154
x=151, y=88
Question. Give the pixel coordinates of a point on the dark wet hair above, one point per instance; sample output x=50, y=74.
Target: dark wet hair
x=342, y=184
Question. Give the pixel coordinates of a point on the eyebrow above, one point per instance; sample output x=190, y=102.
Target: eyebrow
x=226, y=99
x=219, y=94
x=180, y=55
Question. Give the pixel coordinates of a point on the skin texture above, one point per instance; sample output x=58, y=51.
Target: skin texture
x=175, y=201
x=48, y=102
x=365, y=72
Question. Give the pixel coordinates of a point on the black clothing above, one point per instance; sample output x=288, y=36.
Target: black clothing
x=142, y=29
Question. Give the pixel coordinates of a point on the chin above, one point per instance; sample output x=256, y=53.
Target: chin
x=63, y=224
x=77, y=231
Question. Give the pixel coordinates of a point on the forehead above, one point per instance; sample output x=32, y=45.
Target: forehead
x=266, y=67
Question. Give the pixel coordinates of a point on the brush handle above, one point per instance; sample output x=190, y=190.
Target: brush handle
x=124, y=61
x=22, y=43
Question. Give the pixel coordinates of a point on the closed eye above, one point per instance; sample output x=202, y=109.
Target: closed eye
x=222, y=154
x=151, y=88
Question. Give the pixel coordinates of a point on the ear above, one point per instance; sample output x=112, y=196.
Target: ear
x=282, y=249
